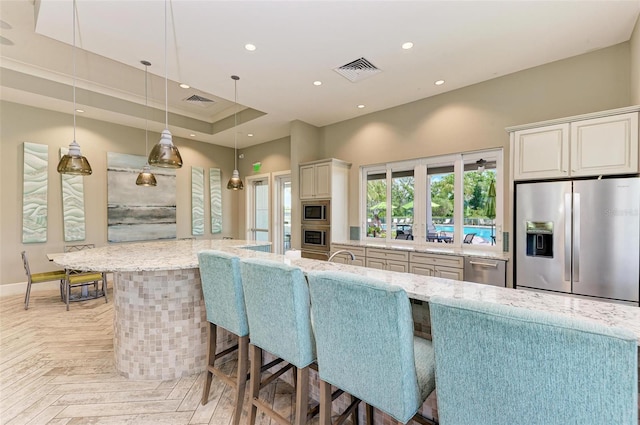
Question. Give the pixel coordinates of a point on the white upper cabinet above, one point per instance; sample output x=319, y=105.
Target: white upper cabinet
x=541, y=152
x=589, y=145
x=607, y=145
x=322, y=179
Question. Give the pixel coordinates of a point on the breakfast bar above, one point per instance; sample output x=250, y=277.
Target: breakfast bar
x=160, y=321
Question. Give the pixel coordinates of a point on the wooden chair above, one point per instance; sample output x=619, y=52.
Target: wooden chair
x=277, y=302
x=505, y=365
x=41, y=277
x=224, y=302
x=365, y=345
x=83, y=279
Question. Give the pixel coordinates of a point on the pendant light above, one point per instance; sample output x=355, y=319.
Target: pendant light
x=146, y=177
x=235, y=183
x=73, y=162
x=165, y=154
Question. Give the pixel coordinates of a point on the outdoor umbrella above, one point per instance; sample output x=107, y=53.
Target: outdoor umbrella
x=491, y=205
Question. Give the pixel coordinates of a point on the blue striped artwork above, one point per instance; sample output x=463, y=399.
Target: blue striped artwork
x=139, y=213
x=197, y=201
x=34, y=193
x=215, y=185
x=73, y=216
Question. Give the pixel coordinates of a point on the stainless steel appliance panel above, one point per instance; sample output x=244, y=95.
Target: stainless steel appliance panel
x=316, y=213
x=606, y=238
x=483, y=270
x=316, y=238
x=544, y=202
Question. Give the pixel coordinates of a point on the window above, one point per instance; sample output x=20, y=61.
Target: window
x=450, y=199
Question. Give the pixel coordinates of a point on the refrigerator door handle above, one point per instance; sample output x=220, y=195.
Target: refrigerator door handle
x=567, y=237
x=576, y=237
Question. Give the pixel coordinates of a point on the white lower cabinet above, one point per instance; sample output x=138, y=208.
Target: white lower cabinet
x=438, y=265
x=387, y=259
x=446, y=266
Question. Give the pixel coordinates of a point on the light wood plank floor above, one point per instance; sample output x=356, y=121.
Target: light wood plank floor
x=56, y=367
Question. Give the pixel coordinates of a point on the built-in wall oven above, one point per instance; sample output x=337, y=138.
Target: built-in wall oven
x=316, y=238
x=316, y=213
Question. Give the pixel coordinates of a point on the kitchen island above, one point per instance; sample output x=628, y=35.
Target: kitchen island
x=160, y=321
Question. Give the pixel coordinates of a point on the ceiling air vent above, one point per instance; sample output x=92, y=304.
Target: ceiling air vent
x=357, y=70
x=199, y=100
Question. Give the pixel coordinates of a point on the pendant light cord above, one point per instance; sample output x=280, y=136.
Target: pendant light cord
x=146, y=112
x=73, y=59
x=166, y=84
x=235, y=125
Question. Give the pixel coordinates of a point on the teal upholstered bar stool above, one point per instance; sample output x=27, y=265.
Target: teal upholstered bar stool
x=224, y=302
x=277, y=301
x=499, y=364
x=366, y=346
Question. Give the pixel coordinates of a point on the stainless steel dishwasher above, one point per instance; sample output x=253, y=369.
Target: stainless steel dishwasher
x=485, y=270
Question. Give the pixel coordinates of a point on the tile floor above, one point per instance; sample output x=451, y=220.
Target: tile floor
x=56, y=367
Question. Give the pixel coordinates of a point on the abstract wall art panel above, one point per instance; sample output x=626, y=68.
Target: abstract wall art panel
x=73, y=221
x=34, y=193
x=197, y=201
x=139, y=213
x=215, y=185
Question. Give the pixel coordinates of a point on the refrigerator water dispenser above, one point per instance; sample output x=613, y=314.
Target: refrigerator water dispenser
x=539, y=238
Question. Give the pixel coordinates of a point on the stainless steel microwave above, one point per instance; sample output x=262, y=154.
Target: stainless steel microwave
x=316, y=238
x=316, y=212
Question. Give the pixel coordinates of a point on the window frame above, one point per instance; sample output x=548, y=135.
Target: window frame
x=420, y=168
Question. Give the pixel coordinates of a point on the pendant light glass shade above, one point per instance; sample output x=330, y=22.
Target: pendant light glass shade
x=165, y=154
x=146, y=178
x=74, y=163
x=235, y=183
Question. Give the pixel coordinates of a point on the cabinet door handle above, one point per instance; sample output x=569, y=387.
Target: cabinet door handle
x=475, y=263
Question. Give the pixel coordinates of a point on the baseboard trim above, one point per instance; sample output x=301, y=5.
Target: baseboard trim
x=21, y=288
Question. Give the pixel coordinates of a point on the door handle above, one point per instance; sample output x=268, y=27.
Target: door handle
x=475, y=263
x=576, y=237
x=567, y=236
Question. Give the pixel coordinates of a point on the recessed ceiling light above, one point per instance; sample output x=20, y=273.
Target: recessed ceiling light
x=80, y=110
x=407, y=45
x=192, y=135
x=250, y=47
x=360, y=106
x=439, y=82
x=185, y=86
x=250, y=135
x=317, y=83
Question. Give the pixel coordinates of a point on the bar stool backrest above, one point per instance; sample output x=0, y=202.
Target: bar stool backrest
x=498, y=364
x=364, y=339
x=222, y=290
x=277, y=300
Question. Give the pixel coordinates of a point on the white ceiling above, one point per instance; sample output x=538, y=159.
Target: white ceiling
x=298, y=42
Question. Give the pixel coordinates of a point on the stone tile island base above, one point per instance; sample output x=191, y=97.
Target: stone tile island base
x=159, y=324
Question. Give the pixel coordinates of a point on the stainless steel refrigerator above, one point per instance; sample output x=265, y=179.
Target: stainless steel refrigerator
x=579, y=237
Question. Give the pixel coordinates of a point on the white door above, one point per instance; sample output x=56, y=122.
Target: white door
x=281, y=212
x=258, y=214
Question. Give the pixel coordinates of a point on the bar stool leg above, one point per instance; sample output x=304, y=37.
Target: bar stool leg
x=241, y=383
x=325, y=403
x=302, y=395
x=254, y=382
x=211, y=358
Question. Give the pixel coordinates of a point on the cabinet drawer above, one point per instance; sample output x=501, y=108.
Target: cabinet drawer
x=437, y=260
x=387, y=254
x=358, y=251
x=449, y=273
x=397, y=266
x=422, y=269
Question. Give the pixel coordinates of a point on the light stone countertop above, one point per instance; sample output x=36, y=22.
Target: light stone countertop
x=167, y=255
x=441, y=249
